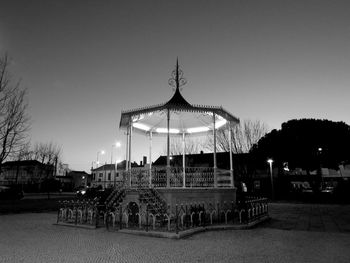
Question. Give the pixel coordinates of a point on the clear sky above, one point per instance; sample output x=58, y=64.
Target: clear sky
x=83, y=62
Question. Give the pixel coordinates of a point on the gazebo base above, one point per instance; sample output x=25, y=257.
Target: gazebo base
x=186, y=196
x=206, y=196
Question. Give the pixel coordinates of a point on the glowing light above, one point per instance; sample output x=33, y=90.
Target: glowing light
x=138, y=117
x=197, y=129
x=165, y=130
x=118, y=144
x=270, y=161
x=141, y=126
x=220, y=123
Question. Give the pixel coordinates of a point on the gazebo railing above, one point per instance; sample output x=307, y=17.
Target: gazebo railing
x=194, y=177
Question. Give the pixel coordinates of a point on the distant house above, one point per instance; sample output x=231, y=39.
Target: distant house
x=80, y=178
x=62, y=169
x=74, y=179
x=66, y=182
x=107, y=176
x=240, y=161
x=29, y=172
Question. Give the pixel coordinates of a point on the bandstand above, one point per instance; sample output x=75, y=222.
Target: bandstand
x=178, y=200
x=178, y=118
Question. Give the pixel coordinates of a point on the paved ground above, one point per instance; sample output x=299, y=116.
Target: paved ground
x=310, y=217
x=297, y=233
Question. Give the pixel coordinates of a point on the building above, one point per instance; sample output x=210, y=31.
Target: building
x=74, y=180
x=30, y=173
x=62, y=169
x=80, y=179
x=107, y=176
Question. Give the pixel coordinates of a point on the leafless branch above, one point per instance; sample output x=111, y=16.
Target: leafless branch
x=14, y=121
x=244, y=136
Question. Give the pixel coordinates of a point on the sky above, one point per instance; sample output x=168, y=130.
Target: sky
x=83, y=62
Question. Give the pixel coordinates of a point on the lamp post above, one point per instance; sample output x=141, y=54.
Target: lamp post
x=270, y=161
x=98, y=154
x=319, y=154
x=116, y=145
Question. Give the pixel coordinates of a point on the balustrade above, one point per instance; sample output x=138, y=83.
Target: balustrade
x=153, y=214
x=194, y=177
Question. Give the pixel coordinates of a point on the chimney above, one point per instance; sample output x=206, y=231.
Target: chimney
x=144, y=160
x=201, y=152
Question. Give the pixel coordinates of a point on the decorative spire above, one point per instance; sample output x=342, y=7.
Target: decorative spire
x=177, y=80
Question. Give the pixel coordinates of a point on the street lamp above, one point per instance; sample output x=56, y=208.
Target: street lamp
x=102, y=152
x=116, y=145
x=270, y=161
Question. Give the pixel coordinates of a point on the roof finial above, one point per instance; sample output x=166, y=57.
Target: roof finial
x=177, y=79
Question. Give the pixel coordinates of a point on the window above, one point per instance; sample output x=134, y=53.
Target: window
x=100, y=174
x=109, y=176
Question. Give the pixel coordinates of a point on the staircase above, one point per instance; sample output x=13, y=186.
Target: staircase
x=116, y=196
x=150, y=196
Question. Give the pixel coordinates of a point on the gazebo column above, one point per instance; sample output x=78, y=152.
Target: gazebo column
x=168, y=151
x=150, y=159
x=130, y=136
x=214, y=150
x=183, y=162
x=232, y=182
x=127, y=150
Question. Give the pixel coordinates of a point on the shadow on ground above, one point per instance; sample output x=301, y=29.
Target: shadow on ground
x=309, y=217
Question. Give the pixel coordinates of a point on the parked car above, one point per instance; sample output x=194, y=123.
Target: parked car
x=11, y=192
x=89, y=192
x=307, y=190
x=81, y=191
x=328, y=190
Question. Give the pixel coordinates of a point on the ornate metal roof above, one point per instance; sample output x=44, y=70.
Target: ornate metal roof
x=184, y=117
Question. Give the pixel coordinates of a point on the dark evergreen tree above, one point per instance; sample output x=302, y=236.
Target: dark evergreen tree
x=306, y=143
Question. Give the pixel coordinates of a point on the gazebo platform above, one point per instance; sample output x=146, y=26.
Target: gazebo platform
x=184, y=196
x=155, y=188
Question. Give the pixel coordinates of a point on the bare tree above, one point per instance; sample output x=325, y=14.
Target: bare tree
x=192, y=145
x=243, y=137
x=14, y=121
x=25, y=153
x=47, y=153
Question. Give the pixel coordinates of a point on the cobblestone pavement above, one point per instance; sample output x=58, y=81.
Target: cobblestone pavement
x=34, y=238
x=310, y=217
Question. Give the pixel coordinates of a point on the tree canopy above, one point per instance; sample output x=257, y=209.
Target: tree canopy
x=306, y=143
